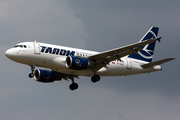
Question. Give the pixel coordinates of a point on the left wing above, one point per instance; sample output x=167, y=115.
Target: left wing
x=103, y=58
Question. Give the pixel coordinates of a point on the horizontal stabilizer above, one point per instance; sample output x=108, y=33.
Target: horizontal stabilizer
x=148, y=65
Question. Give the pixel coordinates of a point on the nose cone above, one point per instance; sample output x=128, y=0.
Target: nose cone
x=10, y=53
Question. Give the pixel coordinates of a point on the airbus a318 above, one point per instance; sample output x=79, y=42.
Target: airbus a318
x=62, y=62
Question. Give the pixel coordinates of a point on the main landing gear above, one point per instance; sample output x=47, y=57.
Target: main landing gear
x=32, y=71
x=74, y=85
x=95, y=78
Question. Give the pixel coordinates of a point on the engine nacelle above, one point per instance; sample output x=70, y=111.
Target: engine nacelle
x=76, y=63
x=45, y=76
x=59, y=62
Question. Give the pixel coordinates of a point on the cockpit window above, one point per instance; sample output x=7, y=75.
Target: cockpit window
x=21, y=46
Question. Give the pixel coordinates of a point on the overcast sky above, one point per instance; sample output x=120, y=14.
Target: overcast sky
x=96, y=25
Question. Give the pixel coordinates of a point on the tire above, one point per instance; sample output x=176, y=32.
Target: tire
x=73, y=86
x=31, y=75
x=95, y=78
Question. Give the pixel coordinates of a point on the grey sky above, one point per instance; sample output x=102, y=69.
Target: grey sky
x=94, y=25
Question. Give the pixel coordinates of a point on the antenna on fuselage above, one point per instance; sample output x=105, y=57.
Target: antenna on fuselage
x=35, y=41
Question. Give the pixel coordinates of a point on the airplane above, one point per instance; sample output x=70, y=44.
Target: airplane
x=60, y=62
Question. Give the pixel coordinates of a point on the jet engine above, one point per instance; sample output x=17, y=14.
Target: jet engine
x=46, y=76
x=76, y=63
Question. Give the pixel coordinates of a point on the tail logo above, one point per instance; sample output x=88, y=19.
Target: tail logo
x=147, y=51
x=146, y=54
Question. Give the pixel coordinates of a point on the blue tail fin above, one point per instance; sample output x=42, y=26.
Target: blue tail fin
x=146, y=54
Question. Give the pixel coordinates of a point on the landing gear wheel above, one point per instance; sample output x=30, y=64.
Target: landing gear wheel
x=31, y=75
x=32, y=71
x=73, y=86
x=95, y=78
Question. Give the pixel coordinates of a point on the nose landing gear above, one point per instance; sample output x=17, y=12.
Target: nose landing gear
x=32, y=71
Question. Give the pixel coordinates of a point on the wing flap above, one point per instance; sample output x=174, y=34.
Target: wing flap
x=148, y=65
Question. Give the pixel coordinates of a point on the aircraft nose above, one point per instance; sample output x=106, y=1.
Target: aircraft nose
x=9, y=53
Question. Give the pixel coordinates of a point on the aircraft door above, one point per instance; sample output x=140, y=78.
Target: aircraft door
x=129, y=63
x=36, y=48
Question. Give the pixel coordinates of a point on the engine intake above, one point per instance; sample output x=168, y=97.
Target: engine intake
x=76, y=63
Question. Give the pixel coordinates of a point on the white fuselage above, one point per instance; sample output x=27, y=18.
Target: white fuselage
x=47, y=56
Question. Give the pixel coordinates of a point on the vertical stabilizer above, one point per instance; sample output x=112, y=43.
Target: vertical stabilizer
x=146, y=54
